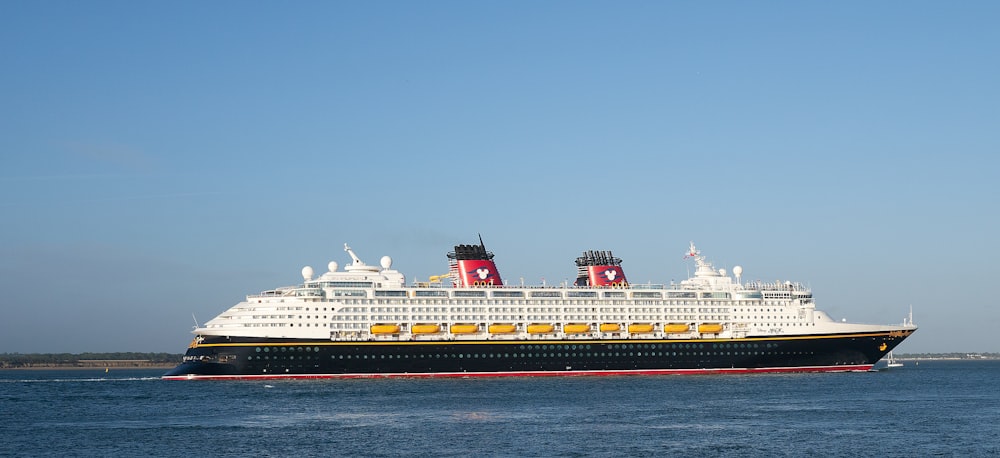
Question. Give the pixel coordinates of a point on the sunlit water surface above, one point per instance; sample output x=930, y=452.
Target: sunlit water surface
x=936, y=408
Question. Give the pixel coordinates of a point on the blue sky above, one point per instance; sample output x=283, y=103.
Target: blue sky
x=159, y=160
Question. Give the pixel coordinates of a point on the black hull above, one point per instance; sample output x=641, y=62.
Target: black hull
x=281, y=358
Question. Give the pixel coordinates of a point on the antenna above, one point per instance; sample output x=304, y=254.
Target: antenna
x=196, y=326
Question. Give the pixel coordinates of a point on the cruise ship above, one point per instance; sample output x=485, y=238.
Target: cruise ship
x=365, y=321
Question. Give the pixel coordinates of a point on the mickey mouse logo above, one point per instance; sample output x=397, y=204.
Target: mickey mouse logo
x=481, y=273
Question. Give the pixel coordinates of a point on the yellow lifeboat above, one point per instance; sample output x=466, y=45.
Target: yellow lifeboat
x=540, y=328
x=710, y=328
x=610, y=327
x=425, y=328
x=640, y=328
x=464, y=328
x=502, y=328
x=385, y=329
x=676, y=327
x=576, y=328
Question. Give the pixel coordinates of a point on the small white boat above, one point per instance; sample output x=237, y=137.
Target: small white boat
x=891, y=362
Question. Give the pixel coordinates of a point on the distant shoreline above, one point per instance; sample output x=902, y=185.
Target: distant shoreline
x=89, y=360
x=86, y=368
x=944, y=359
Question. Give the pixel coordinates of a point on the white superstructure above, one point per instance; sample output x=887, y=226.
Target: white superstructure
x=362, y=303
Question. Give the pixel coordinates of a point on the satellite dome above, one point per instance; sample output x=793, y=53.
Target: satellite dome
x=332, y=266
x=738, y=271
x=386, y=262
x=307, y=273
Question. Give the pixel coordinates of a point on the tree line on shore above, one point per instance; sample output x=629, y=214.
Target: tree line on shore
x=953, y=355
x=16, y=360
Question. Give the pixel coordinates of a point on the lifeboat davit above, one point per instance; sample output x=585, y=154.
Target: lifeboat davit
x=425, y=329
x=676, y=327
x=464, y=328
x=576, y=328
x=610, y=327
x=710, y=328
x=540, y=328
x=640, y=328
x=385, y=329
x=502, y=328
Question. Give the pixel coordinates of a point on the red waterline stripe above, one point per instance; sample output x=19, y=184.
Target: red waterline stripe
x=852, y=368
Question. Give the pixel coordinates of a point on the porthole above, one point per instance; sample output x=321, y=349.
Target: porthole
x=258, y=349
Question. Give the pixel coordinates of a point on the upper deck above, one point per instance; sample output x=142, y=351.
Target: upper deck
x=362, y=302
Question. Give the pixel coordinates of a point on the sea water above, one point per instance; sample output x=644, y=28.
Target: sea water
x=934, y=408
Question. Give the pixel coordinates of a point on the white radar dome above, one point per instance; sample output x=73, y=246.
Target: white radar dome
x=738, y=271
x=722, y=272
x=332, y=266
x=386, y=262
x=307, y=273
